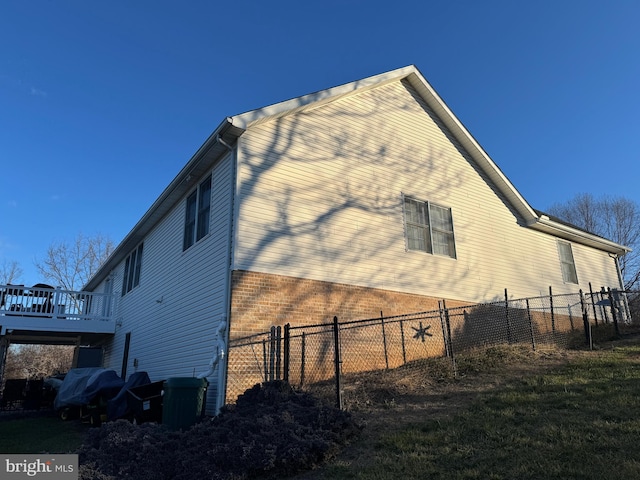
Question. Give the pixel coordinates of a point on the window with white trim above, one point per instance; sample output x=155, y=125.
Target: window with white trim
x=429, y=228
x=567, y=263
x=132, y=268
x=198, y=208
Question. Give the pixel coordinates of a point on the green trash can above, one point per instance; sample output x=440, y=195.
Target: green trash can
x=183, y=401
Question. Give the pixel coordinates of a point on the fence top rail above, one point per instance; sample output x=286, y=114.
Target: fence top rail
x=392, y=318
x=247, y=338
x=311, y=325
x=546, y=297
x=411, y=316
x=233, y=344
x=325, y=327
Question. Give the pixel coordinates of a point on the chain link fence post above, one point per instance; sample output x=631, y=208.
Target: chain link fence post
x=553, y=316
x=603, y=292
x=613, y=312
x=278, y=352
x=445, y=337
x=384, y=341
x=448, y=323
x=286, y=352
x=531, y=329
x=506, y=313
x=337, y=361
x=404, y=348
x=272, y=353
x=593, y=305
x=585, y=320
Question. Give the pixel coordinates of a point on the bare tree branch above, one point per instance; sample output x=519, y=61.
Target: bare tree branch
x=38, y=361
x=71, y=264
x=10, y=272
x=615, y=218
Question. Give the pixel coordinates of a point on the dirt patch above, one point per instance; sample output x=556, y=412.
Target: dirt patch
x=272, y=431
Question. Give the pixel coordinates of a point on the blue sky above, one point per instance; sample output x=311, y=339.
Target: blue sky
x=102, y=103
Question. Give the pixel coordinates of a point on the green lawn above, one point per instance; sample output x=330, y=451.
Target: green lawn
x=581, y=421
x=38, y=434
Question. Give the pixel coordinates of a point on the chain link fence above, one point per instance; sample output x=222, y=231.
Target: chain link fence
x=318, y=357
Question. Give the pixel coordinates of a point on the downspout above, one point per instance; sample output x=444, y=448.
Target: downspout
x=222, y=334
x=222, y=380
x=223, y=143
x=221, y=350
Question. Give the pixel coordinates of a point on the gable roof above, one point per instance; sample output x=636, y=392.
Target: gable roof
x=231, y=128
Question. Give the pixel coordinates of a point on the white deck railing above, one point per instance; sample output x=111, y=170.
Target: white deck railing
x=54, y=309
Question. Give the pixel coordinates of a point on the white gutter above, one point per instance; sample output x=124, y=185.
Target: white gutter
x=212, y=147
x=545, y=224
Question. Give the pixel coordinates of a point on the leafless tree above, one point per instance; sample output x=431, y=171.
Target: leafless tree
x=10, y=272
x=70, y=265
x=615, y=218
x=38, y=361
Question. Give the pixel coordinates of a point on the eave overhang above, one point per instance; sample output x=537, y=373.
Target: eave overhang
x=206, y=156
x=233, y=127
x=544, y=224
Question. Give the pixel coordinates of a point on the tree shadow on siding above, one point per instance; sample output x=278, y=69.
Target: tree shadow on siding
x=355, y=175
x=325, y=187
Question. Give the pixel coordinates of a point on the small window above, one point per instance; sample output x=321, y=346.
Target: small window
x=132, y=268
x=569, y=274
x=198, y=210
x=429, y=228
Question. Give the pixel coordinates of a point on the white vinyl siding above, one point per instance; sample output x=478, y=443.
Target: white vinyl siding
x=320, y=197
x=174, y=313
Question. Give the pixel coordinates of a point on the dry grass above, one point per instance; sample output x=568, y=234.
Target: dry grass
x=399, y=406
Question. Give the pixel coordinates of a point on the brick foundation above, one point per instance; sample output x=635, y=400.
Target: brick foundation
x=260, y=301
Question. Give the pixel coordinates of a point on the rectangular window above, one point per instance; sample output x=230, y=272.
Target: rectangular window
x=429, y=228
x=569, y=274
x=204, y=207
x=190, y=221
x=132, y=268
x=198, y=210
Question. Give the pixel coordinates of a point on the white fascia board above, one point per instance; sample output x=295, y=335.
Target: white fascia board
x=560, y=230
x=245, y=120
x=211, y=150
x=471, y=145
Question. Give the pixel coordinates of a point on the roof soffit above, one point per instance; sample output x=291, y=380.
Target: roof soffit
x=204, y=159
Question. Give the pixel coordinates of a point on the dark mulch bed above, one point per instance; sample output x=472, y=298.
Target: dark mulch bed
x=272, y=431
